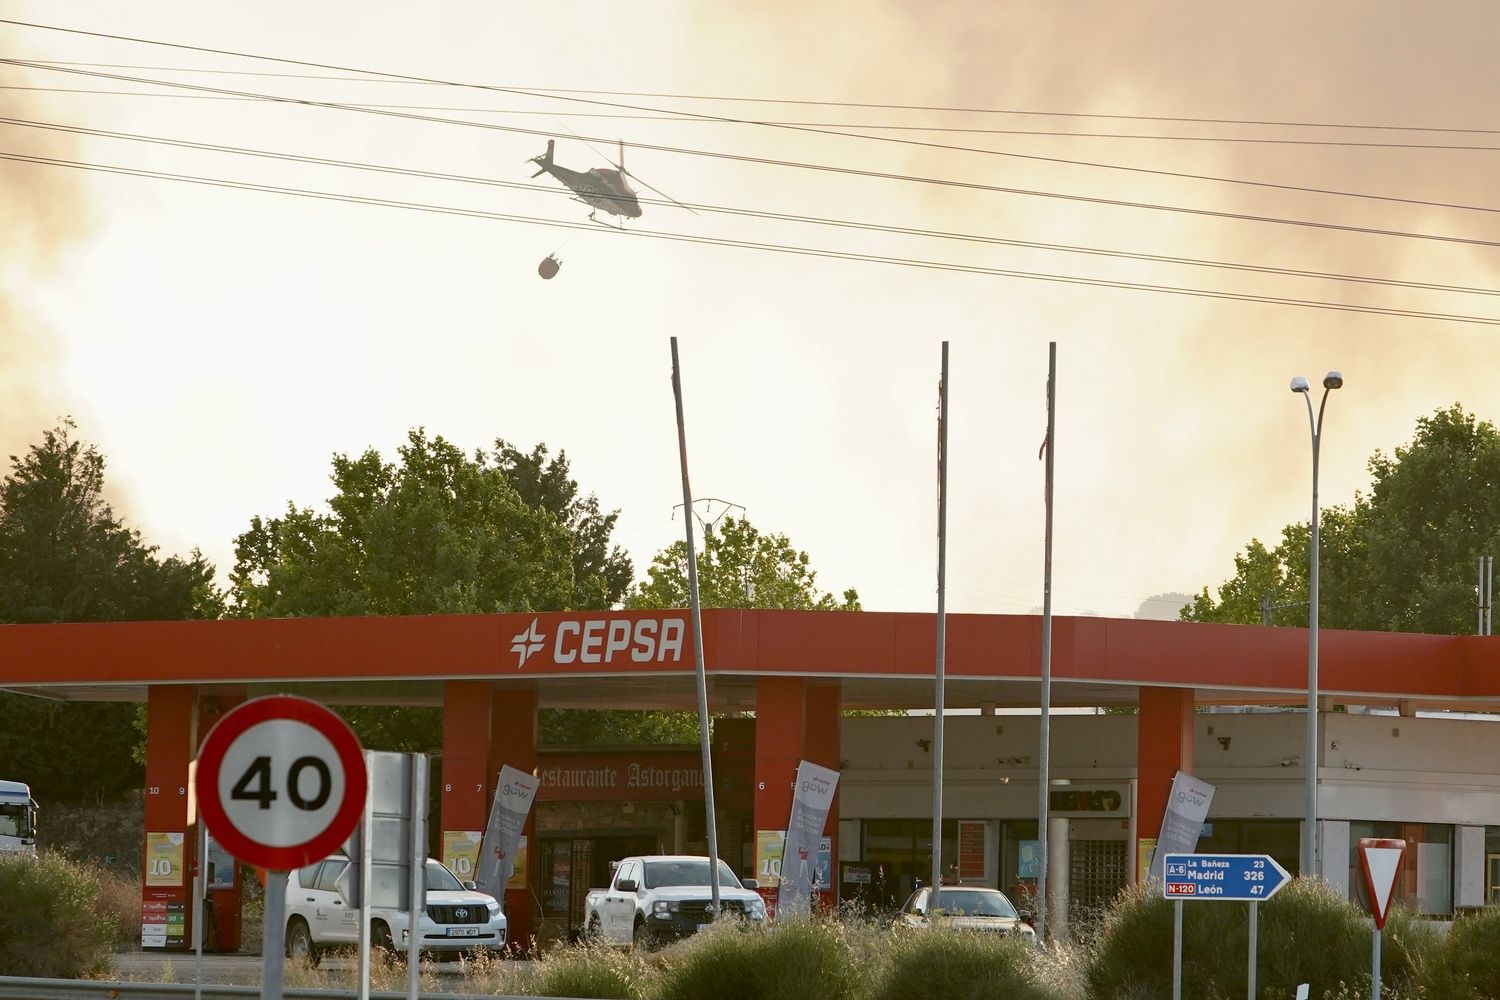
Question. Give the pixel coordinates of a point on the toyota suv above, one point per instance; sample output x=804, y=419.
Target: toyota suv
x=458, y=918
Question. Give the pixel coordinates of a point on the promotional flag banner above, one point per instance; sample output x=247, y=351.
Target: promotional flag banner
x=810, y=806
x=497, y=852
x=1182, y=823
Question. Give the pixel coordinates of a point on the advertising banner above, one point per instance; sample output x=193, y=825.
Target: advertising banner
x=461, y=852
x=164, y=858
x=220, y=866
x=517, y=878
x=1182, y=823
x=497, y=855
x=971, y=849
x=811, y=803
x=768, y=847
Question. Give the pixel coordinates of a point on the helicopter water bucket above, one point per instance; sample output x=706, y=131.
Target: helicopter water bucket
x=549, y=266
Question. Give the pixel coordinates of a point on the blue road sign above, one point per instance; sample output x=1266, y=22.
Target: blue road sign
x=1245, y=878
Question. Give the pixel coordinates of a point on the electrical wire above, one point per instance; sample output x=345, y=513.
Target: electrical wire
x=948, y=109
x=565, y=96
x=667, y=117
x=743, y=212
x=828, y=168
x=750, y=245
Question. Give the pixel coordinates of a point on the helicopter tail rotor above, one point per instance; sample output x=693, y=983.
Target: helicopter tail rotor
x=545, y=160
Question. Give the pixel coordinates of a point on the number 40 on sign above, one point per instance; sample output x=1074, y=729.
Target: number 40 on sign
x=281, y=782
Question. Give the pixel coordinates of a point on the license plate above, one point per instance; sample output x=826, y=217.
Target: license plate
x=463, y=932
x=703, y=927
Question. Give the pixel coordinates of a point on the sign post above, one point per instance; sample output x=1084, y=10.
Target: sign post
x=1380, y=860
x=280, y=784
x=1245, y=878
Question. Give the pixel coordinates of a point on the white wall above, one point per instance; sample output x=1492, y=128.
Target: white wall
x=1429, y=770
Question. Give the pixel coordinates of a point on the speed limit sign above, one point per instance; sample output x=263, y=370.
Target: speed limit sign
x=281, y=782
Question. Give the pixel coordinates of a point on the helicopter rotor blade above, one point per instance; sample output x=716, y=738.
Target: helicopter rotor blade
x=654, y=188
x=590, y=145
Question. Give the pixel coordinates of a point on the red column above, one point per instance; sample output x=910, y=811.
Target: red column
x=463, y=806
x=171, y=744
x=1164, y=746
x=224, y=936
x=780, y=730
x=820, y=742
x=513, y=742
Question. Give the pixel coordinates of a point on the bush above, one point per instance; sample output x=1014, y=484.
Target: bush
x=1307, y=934
x=954, y=963
x=595, y=973
x=1467, y=964
x=120, y=904
x=52, y=924
x=793, y=961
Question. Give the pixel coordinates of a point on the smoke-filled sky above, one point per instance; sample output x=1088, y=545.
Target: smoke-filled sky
x=220, y=345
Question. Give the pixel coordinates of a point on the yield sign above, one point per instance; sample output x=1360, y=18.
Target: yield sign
x=1380, y=860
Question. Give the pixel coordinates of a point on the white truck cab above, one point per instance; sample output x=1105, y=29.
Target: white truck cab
x=17, y=819
x=654, y=899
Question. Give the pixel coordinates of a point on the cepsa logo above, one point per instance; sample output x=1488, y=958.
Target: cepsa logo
x=604, y=640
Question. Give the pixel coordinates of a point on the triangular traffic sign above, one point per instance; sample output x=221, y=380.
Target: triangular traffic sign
x=1380, y=859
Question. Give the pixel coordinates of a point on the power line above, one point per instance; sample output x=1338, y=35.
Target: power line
x=748, y=213
x=391, y=78
x=750, y=245
x=669, y=117
x=569, y=96
x=826, y=168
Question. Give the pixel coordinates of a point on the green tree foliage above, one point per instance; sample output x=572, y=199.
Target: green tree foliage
x=66, y=557
x=601, y=571
x=1401, y=558
x=738, y=567
x=440, y=532
x=436, y=532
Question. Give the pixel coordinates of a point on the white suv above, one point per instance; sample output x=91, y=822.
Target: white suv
x=458, y=918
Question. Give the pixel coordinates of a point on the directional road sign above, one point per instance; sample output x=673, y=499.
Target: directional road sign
x=281, y=782
x=1241, y=877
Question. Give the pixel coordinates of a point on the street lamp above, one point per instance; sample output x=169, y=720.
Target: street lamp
x=1308, y=861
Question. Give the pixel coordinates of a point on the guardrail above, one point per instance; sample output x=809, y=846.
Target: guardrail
x=19, y=988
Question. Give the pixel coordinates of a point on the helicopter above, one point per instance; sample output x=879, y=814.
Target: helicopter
x=600, y=187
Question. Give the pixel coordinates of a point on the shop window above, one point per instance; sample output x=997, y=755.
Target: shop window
x=1426, y=881
x=900, y=851
x=1280, y=838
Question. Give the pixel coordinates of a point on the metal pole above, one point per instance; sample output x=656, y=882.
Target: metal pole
x=273, y=937
x=1044, y=754
x=1479, y=602
x=1254, y=922
x=200, y=890
x=1490, y=594
x=1309, y=859
x=1375, y=968
x=366, y=842
x=712, y=831
x=417, y=886
x=942, y=638
x=1176, y=949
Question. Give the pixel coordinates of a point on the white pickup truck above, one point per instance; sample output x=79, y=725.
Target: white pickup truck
x=653, y=899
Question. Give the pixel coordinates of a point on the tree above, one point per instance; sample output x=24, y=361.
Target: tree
x=66, y=557
x=439, y=532
x=601, y=572
x=1402, y=558
x=738, y=567
x=436, y=532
